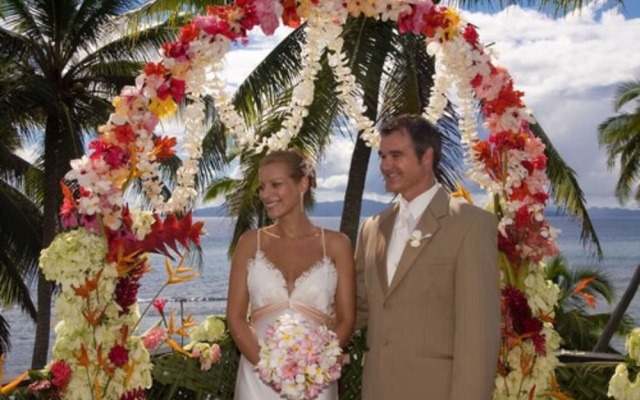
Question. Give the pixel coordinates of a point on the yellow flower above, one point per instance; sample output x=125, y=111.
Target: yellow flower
x=163, y=108
x=452, y=26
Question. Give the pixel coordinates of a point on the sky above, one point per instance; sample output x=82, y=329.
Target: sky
x=568, y=67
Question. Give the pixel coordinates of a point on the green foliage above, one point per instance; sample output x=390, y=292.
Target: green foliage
x=178, y=377
x=588, y=380
x=576, y=323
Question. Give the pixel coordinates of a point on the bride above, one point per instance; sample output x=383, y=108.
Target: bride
x=290, y=267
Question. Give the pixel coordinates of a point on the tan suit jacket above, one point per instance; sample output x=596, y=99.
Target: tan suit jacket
x=434, y=332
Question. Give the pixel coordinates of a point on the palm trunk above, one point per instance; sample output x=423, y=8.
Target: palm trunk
x=355, y=188
x=617, y=314
x=50, y=225
x=352, y=207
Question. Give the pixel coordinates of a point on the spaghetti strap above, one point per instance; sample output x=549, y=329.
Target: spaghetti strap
x=259, y=229
x=324, y=247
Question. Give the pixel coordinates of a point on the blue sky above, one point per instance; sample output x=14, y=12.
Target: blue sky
x=568, y=67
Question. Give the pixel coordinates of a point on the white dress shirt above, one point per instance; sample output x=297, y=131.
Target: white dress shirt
x=406, y=220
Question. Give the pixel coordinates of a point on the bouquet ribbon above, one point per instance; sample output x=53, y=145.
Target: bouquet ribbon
x=304, y=309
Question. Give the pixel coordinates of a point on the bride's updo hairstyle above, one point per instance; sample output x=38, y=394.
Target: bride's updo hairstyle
x=299, y=167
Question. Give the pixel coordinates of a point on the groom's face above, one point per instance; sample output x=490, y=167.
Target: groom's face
x=403, y=171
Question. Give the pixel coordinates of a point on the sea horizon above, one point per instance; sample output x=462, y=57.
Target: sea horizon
x=619, y=237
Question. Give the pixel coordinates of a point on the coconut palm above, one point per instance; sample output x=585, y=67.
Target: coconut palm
x=68, y=58
x=620, y=136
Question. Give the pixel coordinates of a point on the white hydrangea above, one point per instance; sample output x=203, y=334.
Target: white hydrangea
x=73, y=256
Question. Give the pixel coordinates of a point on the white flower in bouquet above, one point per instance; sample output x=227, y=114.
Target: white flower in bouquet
x=299, y=358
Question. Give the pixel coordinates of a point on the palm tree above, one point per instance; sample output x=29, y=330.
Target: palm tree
x=620, y=136
x=69, y=58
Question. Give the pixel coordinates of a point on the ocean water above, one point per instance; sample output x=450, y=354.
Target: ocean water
x=619, y=238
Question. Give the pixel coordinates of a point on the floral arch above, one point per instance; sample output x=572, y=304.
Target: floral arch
x=99, y=259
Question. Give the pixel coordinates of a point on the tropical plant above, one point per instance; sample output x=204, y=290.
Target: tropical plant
x=68, y=59
x=620, y=136
x=21, y=219
x=575, y=319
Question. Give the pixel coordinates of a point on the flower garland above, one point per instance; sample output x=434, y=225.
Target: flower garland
x=509, y=164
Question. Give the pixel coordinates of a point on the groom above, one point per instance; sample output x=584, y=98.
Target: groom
x=428, y=280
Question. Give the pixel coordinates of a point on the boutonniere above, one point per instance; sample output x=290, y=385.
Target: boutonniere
x=416, y=238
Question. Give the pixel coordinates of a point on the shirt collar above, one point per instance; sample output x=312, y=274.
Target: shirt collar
x=420, y=203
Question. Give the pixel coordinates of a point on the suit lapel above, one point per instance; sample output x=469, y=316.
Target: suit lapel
x=385, y=228
x=427, y=225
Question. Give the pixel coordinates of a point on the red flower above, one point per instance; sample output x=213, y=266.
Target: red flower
x=519, y=320
x=290, y=15
x=119, y=355
x=188, y=33
x=61, y=374
x=163, y=147
x=154, y=69
x=111, y=154
x=124, y=133
x=175, y=50
x=470, y=34
x=159, y=304
x=172, y=87
x=508, y=97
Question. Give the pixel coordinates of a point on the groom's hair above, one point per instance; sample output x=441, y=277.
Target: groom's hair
x=422, y=132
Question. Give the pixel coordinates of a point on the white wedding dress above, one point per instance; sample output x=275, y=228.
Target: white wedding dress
x=312, y=297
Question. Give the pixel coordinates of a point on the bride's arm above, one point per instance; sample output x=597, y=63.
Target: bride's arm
x=238, y=298
x=341, y=253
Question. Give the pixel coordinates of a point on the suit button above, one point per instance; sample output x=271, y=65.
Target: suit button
x=387, y=306
x=385, y=342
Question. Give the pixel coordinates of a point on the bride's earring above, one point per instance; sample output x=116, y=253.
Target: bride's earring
x=302, y=201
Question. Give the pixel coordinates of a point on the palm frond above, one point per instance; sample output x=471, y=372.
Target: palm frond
x=21, y=235
x=566, y=192
x=626, y=93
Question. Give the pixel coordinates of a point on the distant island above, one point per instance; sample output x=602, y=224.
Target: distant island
x=370, y=207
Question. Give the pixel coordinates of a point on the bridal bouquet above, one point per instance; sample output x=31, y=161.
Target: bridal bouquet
x=299, y=358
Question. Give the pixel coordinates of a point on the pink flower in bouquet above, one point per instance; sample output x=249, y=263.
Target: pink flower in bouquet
x=299, y=358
